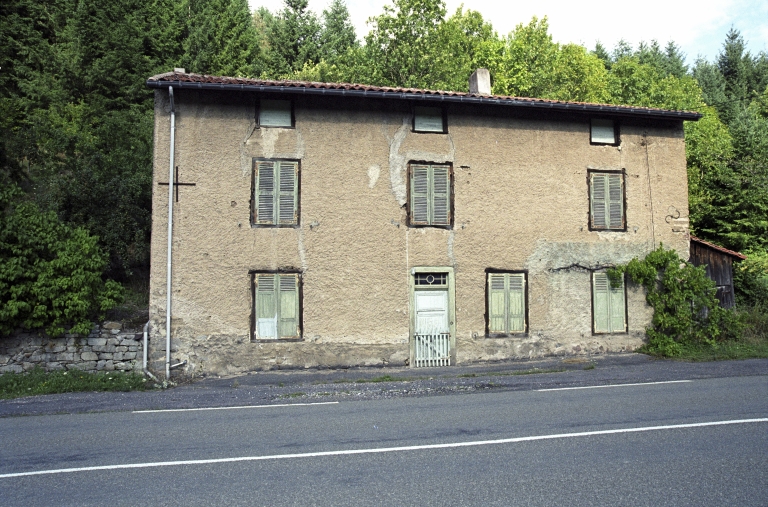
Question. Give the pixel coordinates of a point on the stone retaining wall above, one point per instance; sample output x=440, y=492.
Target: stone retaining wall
x=106, y=348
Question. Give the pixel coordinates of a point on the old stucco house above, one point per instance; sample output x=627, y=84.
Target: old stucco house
x=320, y=224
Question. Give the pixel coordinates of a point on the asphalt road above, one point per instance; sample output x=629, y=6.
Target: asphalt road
x=686, y=441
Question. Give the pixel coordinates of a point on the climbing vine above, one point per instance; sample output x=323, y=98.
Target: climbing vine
x=685, y=309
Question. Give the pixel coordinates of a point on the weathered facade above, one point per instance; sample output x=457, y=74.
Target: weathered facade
x=719, y=265
x=339, y=225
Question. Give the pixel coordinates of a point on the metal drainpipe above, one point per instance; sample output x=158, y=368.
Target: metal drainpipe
x=170, y=242
x=146, y=371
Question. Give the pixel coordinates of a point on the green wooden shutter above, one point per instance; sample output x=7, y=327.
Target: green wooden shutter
x=516, y=297
x=618, y=312
x=615, y=202
x=420, y=185
x=441, y=196
x=497, y=308
x=289, y=306
x=599, y=192
x=265, y=192
x=266, y=307
x=601, y=302
x=288, y=186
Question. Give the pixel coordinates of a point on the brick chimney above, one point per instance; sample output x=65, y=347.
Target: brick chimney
x=480, y=82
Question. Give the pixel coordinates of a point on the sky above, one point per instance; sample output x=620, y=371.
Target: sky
x=697, y=26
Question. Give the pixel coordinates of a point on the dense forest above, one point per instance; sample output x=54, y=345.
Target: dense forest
x=76, y=119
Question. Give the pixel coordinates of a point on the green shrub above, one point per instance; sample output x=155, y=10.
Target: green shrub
x=685, y=308
x=50, y=273
x=750, y=279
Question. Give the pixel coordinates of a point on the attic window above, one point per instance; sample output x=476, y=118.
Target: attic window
x=429, y=119
x=604, y=132
x=275, y=113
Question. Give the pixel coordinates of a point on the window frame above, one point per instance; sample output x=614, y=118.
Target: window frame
x=622, y=174
x=409, y=206
x=616, y=132
x=254, y=202
x=625, y=312
x=442, y=112
x=526, y=325
x=254, y=274
x=259, y=109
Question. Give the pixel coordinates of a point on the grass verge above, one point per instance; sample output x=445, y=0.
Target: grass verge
x=38, y=381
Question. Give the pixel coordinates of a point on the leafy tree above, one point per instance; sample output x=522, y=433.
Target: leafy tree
x=50, y=273
x=403, y=46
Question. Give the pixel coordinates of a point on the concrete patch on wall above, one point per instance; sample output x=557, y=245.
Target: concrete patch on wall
x=373, y=175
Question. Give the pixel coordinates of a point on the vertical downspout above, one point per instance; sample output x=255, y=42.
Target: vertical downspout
x=170, y=241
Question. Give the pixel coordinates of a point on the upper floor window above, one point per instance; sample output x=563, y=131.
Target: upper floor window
x=604, y=132
x=275, y=113
x=429, y=119
x=430, y=195
x=275, y=199
x=606, y=201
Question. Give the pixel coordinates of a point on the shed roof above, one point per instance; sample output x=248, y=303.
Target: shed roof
x=184, y=80
x=720, y=249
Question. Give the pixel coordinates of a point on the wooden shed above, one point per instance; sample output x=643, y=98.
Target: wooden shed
x=719, y=263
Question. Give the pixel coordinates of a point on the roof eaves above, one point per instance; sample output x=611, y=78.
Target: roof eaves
x=202, y=82
x=719, y=248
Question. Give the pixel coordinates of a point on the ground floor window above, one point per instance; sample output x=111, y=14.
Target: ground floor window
x=276, y=308
x=506, y=303
x=609, y=308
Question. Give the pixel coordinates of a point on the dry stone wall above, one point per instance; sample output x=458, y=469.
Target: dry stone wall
x=107, y=348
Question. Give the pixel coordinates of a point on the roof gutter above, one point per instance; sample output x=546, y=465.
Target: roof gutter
x=462, y=99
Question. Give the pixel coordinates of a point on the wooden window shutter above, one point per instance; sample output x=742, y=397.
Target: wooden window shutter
x=601, y=302
x=441, y=196
x=288, y=190
x=266, y=307
x=598, y=190
x=420, y=186
x=497, y=307
x=265, y=193
x=289, y=306
x=516, y=297
x=618, y=313
x=615, y=201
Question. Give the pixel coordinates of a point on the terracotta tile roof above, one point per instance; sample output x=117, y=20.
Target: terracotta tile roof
x=201, y=81
x=732, y=253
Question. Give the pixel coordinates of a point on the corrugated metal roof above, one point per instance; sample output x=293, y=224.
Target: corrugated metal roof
x=719, y=248
x=201, y=81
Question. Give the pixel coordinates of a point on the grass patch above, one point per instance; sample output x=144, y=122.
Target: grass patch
x=38, y=381
x=590, y=366
x=293, y=395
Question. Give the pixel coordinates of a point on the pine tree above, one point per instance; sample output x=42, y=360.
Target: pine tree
x=293, y=38
x=221, y=38
x=338, y=34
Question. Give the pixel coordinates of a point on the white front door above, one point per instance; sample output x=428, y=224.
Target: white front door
x=431, y=312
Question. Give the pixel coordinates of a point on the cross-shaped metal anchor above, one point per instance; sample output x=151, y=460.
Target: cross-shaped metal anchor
x=176, y=184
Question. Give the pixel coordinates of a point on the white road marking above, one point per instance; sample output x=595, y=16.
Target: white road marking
x=382, y=449
x=233, y=408
x=616, y=385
